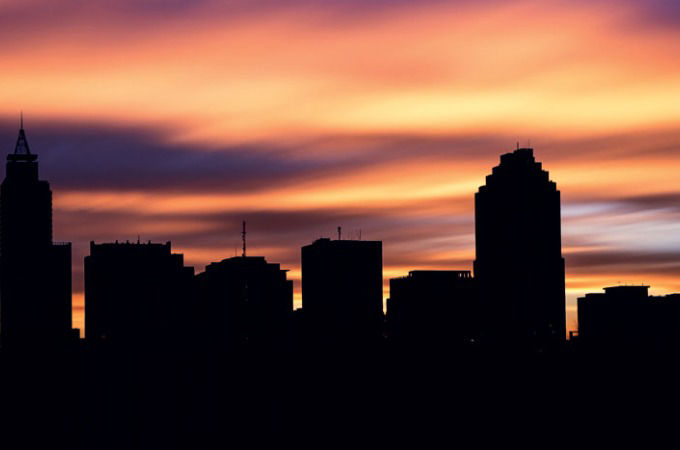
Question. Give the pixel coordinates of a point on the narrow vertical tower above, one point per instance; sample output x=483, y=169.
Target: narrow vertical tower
x=35, y=274
x=519, y=264
x=243, y=239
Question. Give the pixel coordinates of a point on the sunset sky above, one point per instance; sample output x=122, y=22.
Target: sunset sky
x=175, y=120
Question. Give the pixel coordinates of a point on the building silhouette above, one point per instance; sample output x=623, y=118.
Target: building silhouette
x=613, y=316
x=136, y=294
x=433, y=308
x=35, y=273
x=244, y=300
x=627, y=317
x=155, y=375
x=342, y=290
x=664, y=313
x=519, y=264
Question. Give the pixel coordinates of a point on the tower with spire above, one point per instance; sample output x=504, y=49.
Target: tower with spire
x=21, y=149
x=35, y=273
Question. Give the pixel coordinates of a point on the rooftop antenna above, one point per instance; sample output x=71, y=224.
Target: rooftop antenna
x=339, y=233
x=517, y=145
x=138, y=241
x=243, y=237
x=21, y=150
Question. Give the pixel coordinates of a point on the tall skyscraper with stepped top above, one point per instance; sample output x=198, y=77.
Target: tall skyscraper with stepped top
x=519, y=265
x=35, y=273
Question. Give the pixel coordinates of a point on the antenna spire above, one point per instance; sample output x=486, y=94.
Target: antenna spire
x=243, y=238
x=21, y=150
x=339, y=233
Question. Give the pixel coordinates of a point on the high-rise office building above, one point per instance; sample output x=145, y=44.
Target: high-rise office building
x=519, y=265
x=244, y=300
x=435, y=308
x=342, y=289
x=136, y=293
x=35, y=273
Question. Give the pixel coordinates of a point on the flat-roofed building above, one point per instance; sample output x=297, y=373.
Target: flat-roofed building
x=342, y=292
x=136, y=293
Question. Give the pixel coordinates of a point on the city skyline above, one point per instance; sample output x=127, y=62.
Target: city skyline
x=171, y=357
x=356, y=233
x=244, y=223
x=176, y=121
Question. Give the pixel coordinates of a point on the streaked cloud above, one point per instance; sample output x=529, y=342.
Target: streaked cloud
x=210, y=74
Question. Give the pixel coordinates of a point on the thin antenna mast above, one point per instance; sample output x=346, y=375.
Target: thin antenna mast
x=339, y=233
x=243, y=237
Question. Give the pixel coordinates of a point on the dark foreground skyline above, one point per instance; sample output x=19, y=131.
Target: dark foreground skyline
x=175, y=359
x=138, y=292
x=167, y=123
x=410, y=242
x=518, y=284
x=519, y=281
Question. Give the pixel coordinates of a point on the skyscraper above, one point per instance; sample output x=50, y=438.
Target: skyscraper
x=342, y=289
x=519, y=264
x=35, y=273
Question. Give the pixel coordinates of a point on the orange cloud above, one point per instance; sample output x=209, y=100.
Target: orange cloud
x=285, y=73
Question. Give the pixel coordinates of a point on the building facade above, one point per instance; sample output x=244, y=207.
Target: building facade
x=433, y=308
x=342, y=289
x=136, y=294
x=519, y=265
x=35, y=273
x=627, y=317
x=244, y=301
